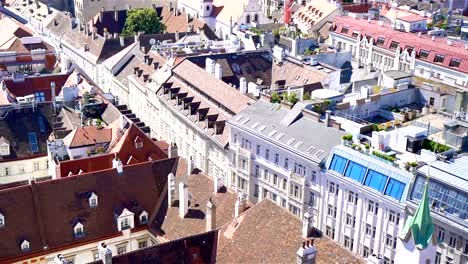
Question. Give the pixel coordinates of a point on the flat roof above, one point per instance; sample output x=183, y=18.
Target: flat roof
x=453, y=173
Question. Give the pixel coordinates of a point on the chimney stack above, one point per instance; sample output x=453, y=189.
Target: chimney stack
x=433, y=38
x=136, y=38
x=116, y=15
x=240, y=204
x=327, y=117
x=101, y=15
x=105, y=254
x=52, y=92
x=172, y=151
x=307, y=253
x=218, y=71
x=243, y=85
x=209, y=65
x=122, y=41
x=419, y=34
x=171, y=189
x=190, y=166
x=117, y=164
x=116, y=35
x=183, y=200
x=210, y=216
x=177, y=36
x=93, y=34
x=306, y=229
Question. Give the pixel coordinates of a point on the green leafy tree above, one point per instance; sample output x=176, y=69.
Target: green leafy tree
x=306, y=96
x=142, y=19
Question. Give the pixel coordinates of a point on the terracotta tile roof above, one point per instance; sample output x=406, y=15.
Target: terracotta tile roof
x=44, y=212
x=35, y=84
x=216, y=89
x=11, y=30
x=412, y=18
x=200, y=187
x=88, y=136
x=125, y=148
x=440, y=46
x=109, y=22
x=199, y=249
x=296, y=74
x=314, y=12
x=357, y=8
x=180, y=22
x=269, y=233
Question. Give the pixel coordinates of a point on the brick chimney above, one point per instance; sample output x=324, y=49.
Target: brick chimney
x=171, y=189
x=190, y=166
x=210, y=216
x=117, y=164
x=105, y=254
x=307, y=253
x=183, y=200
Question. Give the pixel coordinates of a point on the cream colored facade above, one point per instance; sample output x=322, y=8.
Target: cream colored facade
x=126, y=242
x=23, y=170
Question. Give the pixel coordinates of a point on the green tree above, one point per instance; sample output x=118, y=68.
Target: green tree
x=306, y=96
x=142, y=19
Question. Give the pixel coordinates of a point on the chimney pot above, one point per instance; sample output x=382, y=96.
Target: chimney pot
x=171, y=189
x=210, y=216
x=122, y=41
x=183, y=200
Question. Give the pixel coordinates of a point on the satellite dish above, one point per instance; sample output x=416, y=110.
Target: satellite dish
x=152, y=41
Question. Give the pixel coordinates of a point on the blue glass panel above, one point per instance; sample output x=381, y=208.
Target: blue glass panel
x=376, y=180
x=395, y=189
x=33, y=142
x=338, y=164
x=355, y=171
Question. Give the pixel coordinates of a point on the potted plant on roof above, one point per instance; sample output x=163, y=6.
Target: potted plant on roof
x=346, y=139
x=367, y=146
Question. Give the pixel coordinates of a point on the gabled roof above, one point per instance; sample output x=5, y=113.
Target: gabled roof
x=36, y=84
x=45, y=212
x=419, y=225
x=88, y=136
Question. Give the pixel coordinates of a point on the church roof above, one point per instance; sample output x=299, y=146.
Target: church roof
x=420, y=224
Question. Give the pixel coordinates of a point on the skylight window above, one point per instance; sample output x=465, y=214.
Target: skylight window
x=40, y=120
x=380, y=41
x=310, y=149
x=291, y=141
x=33, y=142
x=255, y=125
x=279, y=136
x=261, y=128
x=345, y=30
x=320, y=152
x=299, y=144
x=272, y=133
x=424, y=54
x=245, y=120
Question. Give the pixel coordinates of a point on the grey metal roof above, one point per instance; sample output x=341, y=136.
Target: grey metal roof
x=290, y=128
x=451, y=173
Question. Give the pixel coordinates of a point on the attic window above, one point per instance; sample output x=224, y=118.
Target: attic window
x=93, y=200
x=79, y=230
x=380, y=41
x=439, y=58
x=394, y=45
x=355, y=34
x=345, y=30
x=454, y=63
x=25, y=246
x=2, y=220
x=138, y=145
x=144, y=217
x=424, y=54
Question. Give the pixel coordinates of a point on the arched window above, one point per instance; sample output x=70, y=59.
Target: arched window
x=256, y=17
x=247, y=19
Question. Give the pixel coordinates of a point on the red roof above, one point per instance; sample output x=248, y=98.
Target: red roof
x=438, y=46
x=127, y=152
x=88, y=136
x=34, y=84
x=412, y=18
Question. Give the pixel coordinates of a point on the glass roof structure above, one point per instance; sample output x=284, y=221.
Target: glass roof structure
x=369, y=172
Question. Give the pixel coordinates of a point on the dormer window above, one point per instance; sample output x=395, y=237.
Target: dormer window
x=93, y=200
x=143, y=217
x=125, y=220
x=79, y=230
x=454, y=63
x=2, y=220
x=394, y=45
x=25, y=246
x=4, y=147
x=439, y=58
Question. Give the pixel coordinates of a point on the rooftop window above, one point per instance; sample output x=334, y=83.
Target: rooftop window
x=380, y=41
x=394, y=45
x=2, y=220
x=345, y=30
x=395, y=189
x=355, y=171
x=355, y=34
x=25, y=245
x=439, y=58
x=79, y=230
x=338, y=164
x=376, y=180
x=454, y=63
x=424, y=54
x=93, y=200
